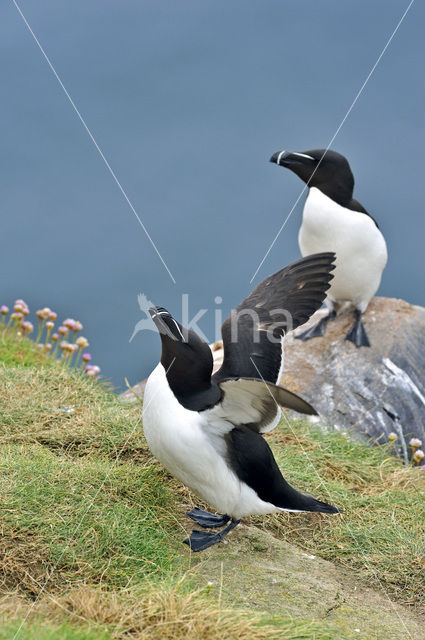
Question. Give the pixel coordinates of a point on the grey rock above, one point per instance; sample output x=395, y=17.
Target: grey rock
x=372, y=390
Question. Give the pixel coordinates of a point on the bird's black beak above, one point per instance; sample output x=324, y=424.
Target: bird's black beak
x=166, y=324
x=292, y=159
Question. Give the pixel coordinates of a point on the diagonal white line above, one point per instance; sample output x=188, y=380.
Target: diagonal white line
x=360, y=91
x=322, y=482
x=82, y=519
x=108, y=166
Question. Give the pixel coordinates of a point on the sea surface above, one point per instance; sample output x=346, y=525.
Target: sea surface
x=187, y=101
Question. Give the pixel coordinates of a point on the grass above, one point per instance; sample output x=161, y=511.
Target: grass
x=155, y=612
x=88, y=513
x=381, y=533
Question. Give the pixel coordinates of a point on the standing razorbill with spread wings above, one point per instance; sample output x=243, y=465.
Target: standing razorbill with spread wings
x=206, y=429
x=334, y=221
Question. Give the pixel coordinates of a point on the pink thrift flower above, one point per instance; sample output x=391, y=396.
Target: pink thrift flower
x=69, y=323
x=63, y=330
x=53, y=316
x=50, y=325
x=86, y=357
x=77, y=326
x=4, y=310
x=55, y=337
x=27, y=327
x=82, y=342
x=418, y=456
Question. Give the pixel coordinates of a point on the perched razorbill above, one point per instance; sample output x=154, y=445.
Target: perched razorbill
x=334, y=221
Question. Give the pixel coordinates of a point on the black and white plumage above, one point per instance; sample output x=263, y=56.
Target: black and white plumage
x=207, y=429
x=334, y=221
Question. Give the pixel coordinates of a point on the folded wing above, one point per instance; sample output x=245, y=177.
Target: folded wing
x=256, y=404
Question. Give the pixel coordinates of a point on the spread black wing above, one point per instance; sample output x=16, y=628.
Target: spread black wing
x=252, y=334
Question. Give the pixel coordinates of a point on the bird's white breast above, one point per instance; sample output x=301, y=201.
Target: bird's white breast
x=359, y=246
x=191, y=446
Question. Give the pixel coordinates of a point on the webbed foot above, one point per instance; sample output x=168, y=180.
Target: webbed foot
x=207, y=519
x=318, y=329
x=357, y=333
x=200, y=540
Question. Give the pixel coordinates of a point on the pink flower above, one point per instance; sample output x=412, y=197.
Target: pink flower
x=69, y=322
x=27, y=327
x=92, y=370
x=50, y=325
x=415, y=443
x=55, y=337
x=418, y=456
x=43, y=314
x=18, y=307
x=77, y=326
x=82, y=342
x=4, y=310
x=86, y=357
x=63, y=330
x=48, y=347
x=53, y=316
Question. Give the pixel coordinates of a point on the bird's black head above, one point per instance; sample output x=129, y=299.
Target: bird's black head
x=187, y=360
x=327, y=170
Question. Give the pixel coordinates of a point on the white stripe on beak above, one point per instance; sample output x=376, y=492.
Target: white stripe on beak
x=279, y=156
x=303, y=155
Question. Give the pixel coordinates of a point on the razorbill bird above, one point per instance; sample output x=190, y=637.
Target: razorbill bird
x=334, y=221
x=207, y=429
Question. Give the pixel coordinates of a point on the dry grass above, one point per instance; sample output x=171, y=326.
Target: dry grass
x=62, y=409
x=160, y=612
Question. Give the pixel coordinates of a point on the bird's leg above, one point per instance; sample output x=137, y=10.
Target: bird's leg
x=207, y=519
x=317, y=330
x=357, y=333
x=200, y=540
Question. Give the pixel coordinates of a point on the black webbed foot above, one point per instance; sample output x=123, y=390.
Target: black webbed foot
x=357, y=333
x=207, y=519
x=318, y=329
x=200, y=540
